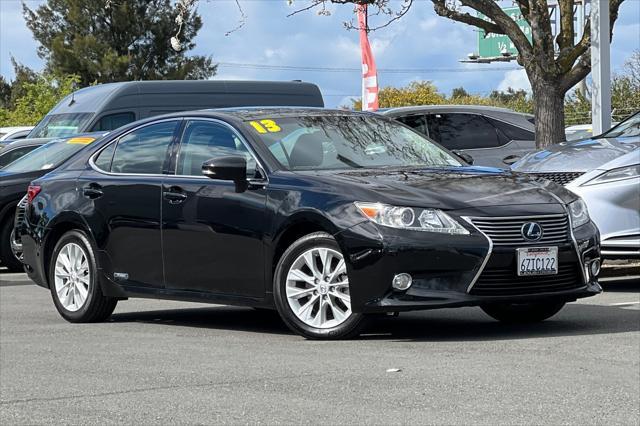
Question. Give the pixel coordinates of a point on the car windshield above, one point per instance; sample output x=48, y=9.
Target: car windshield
x=628, y=128
x=60, y=125
x=339, y=141
x=48, y=156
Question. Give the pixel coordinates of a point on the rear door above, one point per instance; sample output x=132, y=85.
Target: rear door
x=212, y=233
x=469, y=133
x=125, y=189
x=516, y=141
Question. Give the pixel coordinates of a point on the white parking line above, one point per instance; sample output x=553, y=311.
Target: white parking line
x=625, y=303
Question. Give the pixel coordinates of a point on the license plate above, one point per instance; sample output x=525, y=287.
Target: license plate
x=537, y=261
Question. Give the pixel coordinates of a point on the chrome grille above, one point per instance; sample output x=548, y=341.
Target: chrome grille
x=506, y=231
x=561, y=178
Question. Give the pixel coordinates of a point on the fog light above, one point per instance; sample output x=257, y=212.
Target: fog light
x=402, y=281
x=595, y=268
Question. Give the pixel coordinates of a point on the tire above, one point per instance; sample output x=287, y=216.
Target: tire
x=7, y=258
x=523, y=313
x=333, y=318
x=67, y=298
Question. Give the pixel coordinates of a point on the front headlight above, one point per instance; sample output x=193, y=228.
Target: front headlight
x=579, y=213
x=431, y=220
x=621, y=173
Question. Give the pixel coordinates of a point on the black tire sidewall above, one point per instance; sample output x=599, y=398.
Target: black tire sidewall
x=7, y=257
x=83, y=313
x=347, y=329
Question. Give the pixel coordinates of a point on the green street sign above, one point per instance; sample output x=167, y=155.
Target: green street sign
x=496, y=44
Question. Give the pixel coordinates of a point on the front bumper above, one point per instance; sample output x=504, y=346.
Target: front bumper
x=615, y=209
x=457, y=270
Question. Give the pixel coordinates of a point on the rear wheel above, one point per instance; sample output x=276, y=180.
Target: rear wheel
x=74, y=283
x=311, y=289
x=7, y=257
x=523, y=313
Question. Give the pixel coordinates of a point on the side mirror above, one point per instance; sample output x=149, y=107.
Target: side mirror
x=464, y=157
x=232, y=167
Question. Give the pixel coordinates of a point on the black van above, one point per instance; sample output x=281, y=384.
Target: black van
x=109, y=106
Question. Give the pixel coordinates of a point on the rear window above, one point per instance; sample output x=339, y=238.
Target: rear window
x=513, y=133
x=113, y=121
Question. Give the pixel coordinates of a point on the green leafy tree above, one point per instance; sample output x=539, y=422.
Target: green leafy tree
x=625, y=95
x=37, y=98
x=116, y=40
x=5, y=93
x=459, y=92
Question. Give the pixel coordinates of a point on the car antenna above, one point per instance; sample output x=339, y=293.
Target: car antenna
x=74, y=87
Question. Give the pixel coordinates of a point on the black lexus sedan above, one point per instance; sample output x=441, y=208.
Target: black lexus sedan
x=327, y=216
x=15, y=179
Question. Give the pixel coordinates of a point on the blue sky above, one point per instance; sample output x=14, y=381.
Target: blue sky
x=420, y=40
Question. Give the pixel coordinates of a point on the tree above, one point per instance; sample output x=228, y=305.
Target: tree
x=625, y=95
x=116, y=40
x=552, y=72
x=459, y=92
x=416, y=93
x=425, y=93
x=5, y=93
x=37, y=98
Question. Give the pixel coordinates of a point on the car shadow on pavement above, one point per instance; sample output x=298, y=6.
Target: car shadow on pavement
x=466, y=324
x=218, y=317
x=573, y=320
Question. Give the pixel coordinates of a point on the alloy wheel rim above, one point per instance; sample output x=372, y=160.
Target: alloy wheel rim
x=16, y=245
x=317, y=288
x=72, y=277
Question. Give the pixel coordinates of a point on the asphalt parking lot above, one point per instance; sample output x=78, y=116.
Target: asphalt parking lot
x=159, y=362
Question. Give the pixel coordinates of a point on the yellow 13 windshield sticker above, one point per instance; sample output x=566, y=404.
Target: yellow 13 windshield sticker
x=265, y=126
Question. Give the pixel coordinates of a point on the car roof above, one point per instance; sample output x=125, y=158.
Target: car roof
x=129, y=93
x=252, y=113
x=443, y=108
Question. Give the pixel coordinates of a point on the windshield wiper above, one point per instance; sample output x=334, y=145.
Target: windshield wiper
x=348, y=162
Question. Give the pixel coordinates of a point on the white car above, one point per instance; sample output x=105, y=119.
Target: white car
x=581, y=131
x=7, y=133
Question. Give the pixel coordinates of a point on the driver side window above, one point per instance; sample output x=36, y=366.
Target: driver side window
x=204, y=140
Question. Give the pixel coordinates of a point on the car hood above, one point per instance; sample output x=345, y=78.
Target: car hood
x=576, y=156
x=453, y=188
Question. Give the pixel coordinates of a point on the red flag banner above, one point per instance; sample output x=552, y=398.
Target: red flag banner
x=369, y=72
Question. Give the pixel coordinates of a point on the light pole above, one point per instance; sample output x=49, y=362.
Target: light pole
x=600, y=66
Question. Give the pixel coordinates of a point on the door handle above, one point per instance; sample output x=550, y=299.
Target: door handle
x=92, y=191
x=510, y=159
x=174, y=195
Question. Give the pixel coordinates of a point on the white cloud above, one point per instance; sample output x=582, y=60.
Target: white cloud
x=516, y=79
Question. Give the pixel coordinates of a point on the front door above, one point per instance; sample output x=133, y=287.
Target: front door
x=126, y=188
x=212, y=234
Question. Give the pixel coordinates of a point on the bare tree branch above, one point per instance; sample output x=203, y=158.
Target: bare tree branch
x=582, y=51
x=241, y=22
x=565, y=36
x=509, y=27
x=380, y=7
x=442, y=8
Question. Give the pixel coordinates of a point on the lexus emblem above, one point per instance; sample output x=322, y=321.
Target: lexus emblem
x=531, y=231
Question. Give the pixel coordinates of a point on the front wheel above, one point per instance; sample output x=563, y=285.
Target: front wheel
x=74, y=283
x=9, y=258
x=311, y=290
x=523, y=313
